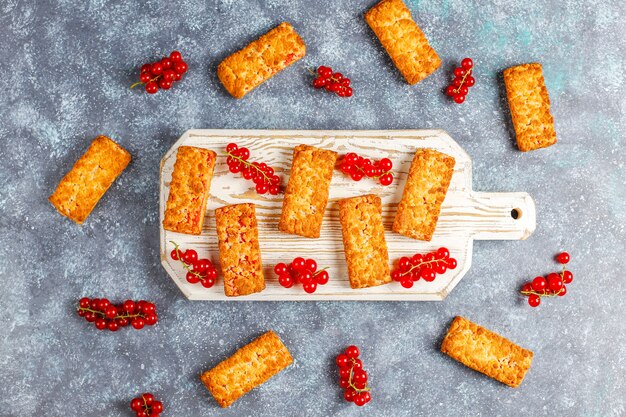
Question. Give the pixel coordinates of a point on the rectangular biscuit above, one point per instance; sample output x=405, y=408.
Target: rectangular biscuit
x=364, y=241
x=486, y=352
x=530, y=107
x=425, y=189
x=246, y=69
x=403, y=40
x=91, y=176
x=306, y=195
x=240, y=255
x=189, y=190
x=248, y=368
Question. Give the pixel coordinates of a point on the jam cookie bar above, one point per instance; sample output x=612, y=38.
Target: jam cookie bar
x=189, y=190
x=425, y=189
x=248, y=68
x=240, y=255
x=91, y=176
x=486, y=352
x=307, y=191
x=364, y=241
x=530, y=107
x=248, y=368
x=403, y=40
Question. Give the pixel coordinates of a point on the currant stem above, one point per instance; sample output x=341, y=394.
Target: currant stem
x=140, y=83
x=122, y=316
x=358, y=390
x=185, y=265
x=311, y=71
x=377, y=177
x=420, y=265
x=250, y=164
x=542, y=294
x=467, y=73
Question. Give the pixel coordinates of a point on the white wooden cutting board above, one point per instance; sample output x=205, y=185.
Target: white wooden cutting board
x=466, y=215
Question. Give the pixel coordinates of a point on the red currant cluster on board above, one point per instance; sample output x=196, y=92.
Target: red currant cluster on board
x=352, y=377
x=198, y=270
x=551, y=286
x=105, y=315
x=146, y=406
x=303, y=271
x=334, y=82
x=463, y=80
x=162, y=74
x=358, y=167
x=426, y=267
x=260, y=173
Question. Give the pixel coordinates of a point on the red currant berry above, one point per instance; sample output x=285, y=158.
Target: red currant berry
x=180, y=67
x=338, y=76
x=148, y=398
x=342, y=360
x=104, y=304
x=555, y=282
x=231, y=147
x=136, y=404
x=156, y=68
x=113, y=326
x=101, y=323
x=90, y=317
x=349, y=394
x=148, y=308
x=165, y=84
x=174, y=254
x=169, y=75
x=176, y=56
x=207, y=282
x=142, y=413
x=345, y=82
x=467, y=63
x=567, y=277
x=527, y=287
x=344, y=383
x=357, y=175
x=459, y=98
x=396, y=275
x=151, y=87
x=562, y=258
x=360, y=400
x=385, y=164
x=177, y=76
x=322, y=278
x=347, y=92
x=534, y=300
x=451, y=263
x=562, y=291
x=138, y=323
x=110, y=312
x=470, y=81
x=84, y=302
x=166, y=63
x=190, y=256
x=310, y=265
x=324, y=71
x=442, y=253
x=386, y=179
x=192, y=277
x=463, y=90
x=320, y=82
x=151, y=319
x=451, y=90
x=262, y=188
x=310, y=286
x=298, y=264
x=352, y=352
x=157, y=407
x=359, y=376
x=280, y=269
x=539, y=284
x=440, y=268
x=351, y=158
x=274, y=190
x=285, y=280
x=459, y=72
x=145, y=68
x=145, y=77
x=407, y=282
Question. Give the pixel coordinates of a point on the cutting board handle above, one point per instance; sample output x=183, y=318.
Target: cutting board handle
x=499, y=216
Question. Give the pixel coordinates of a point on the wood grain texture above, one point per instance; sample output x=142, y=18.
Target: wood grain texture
x=466, y=215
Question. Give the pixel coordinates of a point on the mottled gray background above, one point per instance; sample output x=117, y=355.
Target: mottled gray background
x=64, y=75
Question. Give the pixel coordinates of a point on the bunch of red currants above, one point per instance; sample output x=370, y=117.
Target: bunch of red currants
x=162, y=74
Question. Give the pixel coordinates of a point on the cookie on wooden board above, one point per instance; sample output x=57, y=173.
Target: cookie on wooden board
x=364, y=241
x=91, y=176
x=306, y=195
x=530, y=107
x=425, y=189
x=240, y=255
x=486, y=352
x=189, y=190
x=248, y=368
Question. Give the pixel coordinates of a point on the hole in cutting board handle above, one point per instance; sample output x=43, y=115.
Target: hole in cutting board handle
x=516, y=213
